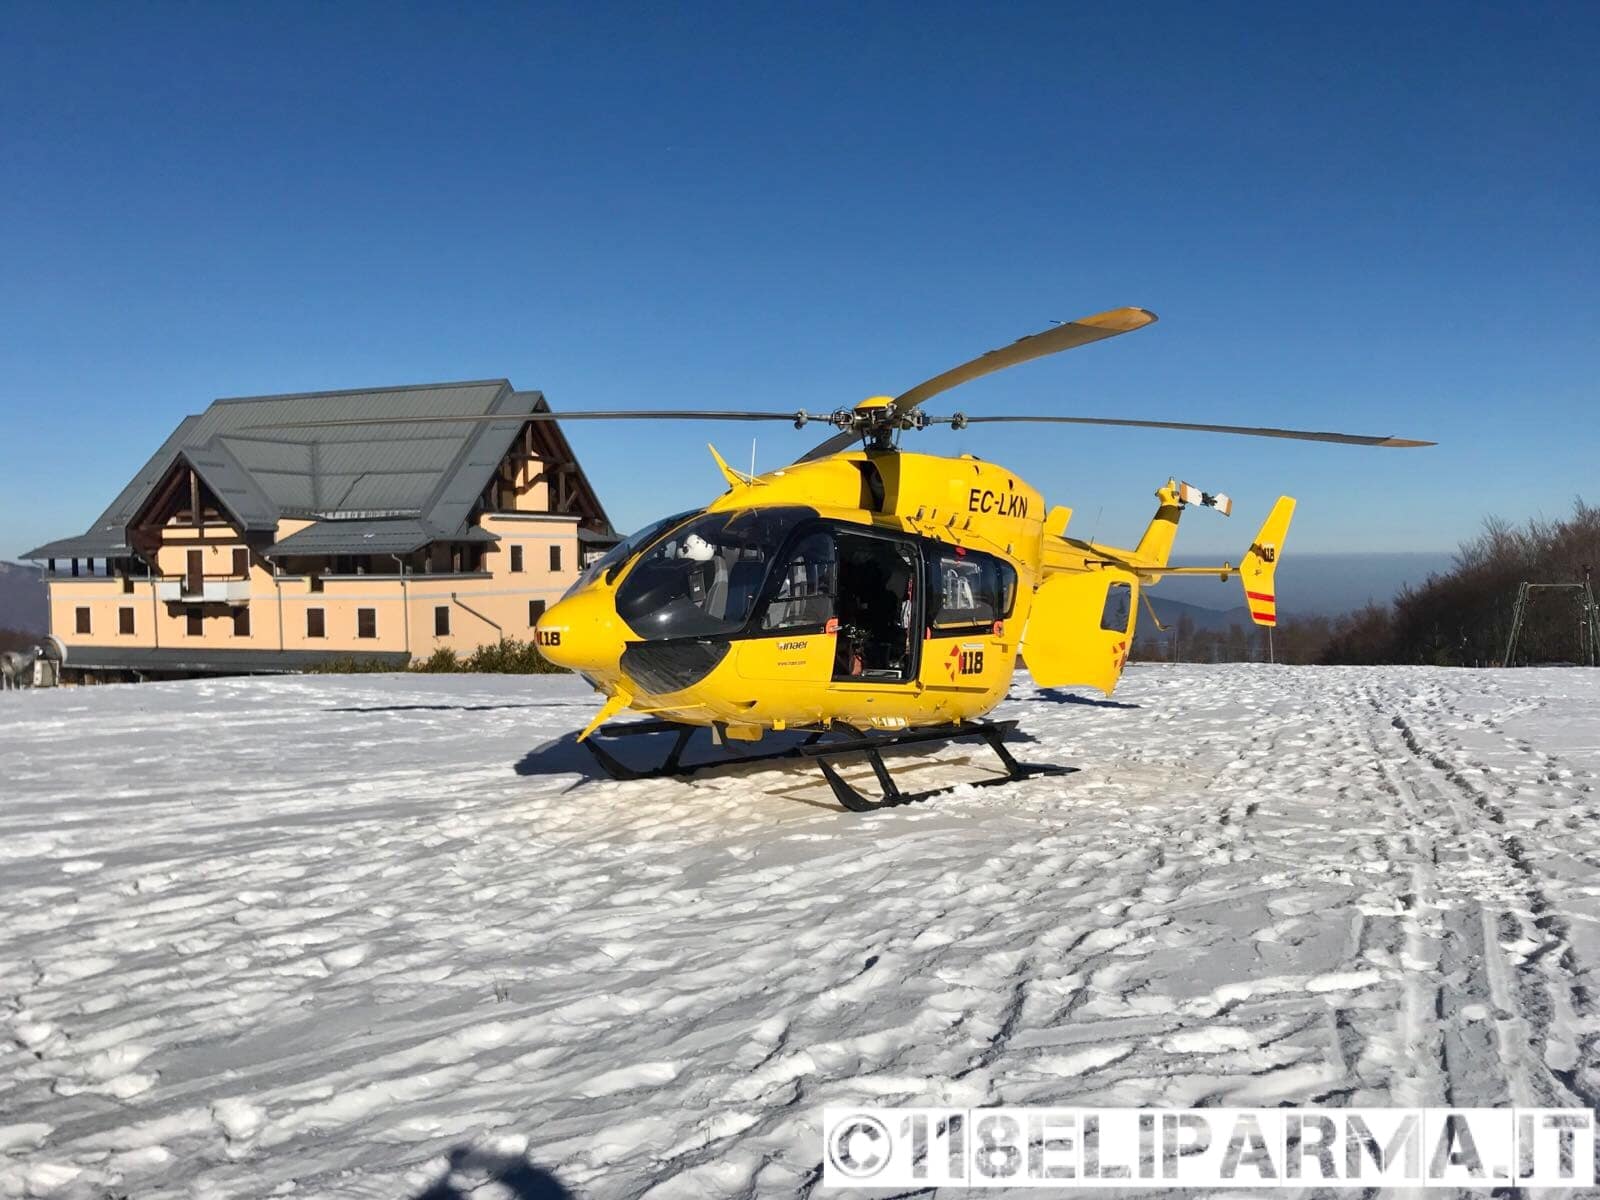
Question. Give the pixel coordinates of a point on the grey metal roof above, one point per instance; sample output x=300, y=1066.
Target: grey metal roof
x=397, y=535
x=264, y=468
x=219, y=662
x=233, y=485
x=94, y=544
x=434, y=471
x=392, y=535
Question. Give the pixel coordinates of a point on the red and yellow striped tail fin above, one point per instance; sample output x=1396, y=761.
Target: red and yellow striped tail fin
x=1261, y=563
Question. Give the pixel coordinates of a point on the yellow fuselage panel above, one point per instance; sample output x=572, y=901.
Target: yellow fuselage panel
x=790, y=681
x=962, y=500
x=1082, y=628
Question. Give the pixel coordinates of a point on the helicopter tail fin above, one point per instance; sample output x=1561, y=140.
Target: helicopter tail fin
x=1260, y=564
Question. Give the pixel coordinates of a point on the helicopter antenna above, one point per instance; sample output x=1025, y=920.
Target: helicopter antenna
x=752, y=458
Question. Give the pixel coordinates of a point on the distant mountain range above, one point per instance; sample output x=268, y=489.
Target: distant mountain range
x=1170, y=612
x=24, y=600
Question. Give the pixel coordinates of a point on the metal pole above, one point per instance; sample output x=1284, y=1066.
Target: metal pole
x=1516, y=623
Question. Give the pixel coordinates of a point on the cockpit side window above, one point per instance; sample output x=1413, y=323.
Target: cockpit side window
x=704, y=577
x=617, y=557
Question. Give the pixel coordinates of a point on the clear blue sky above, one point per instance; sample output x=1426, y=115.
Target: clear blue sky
x=1381, y=218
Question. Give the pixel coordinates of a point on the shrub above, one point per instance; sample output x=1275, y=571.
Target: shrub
x=349, y=664
x=441, y=661
x=506, y=657
x=510, y=657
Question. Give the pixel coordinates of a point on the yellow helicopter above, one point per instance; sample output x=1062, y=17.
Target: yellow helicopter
x=875, y=597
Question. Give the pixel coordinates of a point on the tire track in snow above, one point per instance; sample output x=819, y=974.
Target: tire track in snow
x=1481, y=878
x=1543, y=977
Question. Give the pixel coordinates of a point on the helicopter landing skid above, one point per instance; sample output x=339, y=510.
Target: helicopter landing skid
x=993, y=733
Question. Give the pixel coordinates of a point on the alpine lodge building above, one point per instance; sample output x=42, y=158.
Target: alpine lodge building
x=249, y=543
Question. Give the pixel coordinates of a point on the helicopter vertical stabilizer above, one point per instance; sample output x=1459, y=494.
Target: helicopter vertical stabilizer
x=1260, y=564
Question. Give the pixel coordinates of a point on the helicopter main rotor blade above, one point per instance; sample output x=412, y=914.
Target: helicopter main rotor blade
x=1302, y=435
x=651, y=414
x=1066, y=336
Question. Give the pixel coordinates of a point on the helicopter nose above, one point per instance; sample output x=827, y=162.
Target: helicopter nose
x=582, y=632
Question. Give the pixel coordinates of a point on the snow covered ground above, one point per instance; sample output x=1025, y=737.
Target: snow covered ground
x=328, y=936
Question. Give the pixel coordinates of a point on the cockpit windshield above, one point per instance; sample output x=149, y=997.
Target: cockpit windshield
x=619, y=554
x=704, y=578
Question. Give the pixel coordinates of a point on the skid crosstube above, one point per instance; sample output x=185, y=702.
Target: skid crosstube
x=992, y=733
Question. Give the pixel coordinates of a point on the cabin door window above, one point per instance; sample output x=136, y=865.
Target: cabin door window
x=879, y=609
x=806, y=586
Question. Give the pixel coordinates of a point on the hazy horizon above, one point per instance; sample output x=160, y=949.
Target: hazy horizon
x=1316, y=583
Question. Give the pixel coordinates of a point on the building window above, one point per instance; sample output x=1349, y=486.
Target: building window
x=316, y=623
x=535, y=611
x=441, y=621
x=83, y=620
x=366, y=622
x=241, y=561
x=516, y=558
x=555, y=558
x=241, y=622
x=195, y=628
x=316, y=583
x=127, y=584
x=125, y=622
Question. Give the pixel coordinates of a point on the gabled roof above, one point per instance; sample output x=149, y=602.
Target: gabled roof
x=225, y=475
x=398, y=469
x=263, y=467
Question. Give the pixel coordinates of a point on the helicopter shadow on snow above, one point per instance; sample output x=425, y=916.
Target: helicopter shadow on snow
x=1057, y=696
x=566, y=756
x=562, y=756
x=513, y=1173
x=391, y=708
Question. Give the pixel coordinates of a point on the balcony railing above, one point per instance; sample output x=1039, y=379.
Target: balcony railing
x=210, y=591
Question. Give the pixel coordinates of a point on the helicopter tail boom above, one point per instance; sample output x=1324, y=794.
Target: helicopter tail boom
x=1156, y=545
x=1257, y=571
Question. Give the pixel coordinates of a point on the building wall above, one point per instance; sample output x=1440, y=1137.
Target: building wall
x=481, y=607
